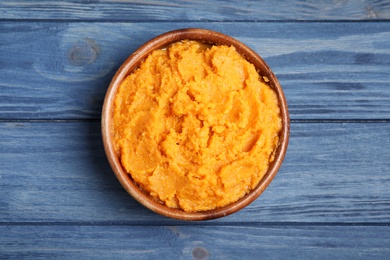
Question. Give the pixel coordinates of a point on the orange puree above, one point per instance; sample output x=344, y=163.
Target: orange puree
x=196, y=126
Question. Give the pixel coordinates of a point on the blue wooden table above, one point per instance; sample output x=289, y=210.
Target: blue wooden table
x=60, y=199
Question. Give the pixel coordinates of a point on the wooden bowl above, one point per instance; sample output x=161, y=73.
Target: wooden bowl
x=132, y=62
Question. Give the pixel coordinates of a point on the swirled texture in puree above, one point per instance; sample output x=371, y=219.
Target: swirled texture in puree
x=195, y=126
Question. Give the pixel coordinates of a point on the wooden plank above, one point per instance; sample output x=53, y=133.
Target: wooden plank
x=179, y=10
x=195, y=242
x=63, y=70
x=57, y=172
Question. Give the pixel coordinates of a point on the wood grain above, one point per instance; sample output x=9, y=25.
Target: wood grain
x=200, y=10
x=195, y=242
x=63, y=70
x=60, y=199
x=57, y=172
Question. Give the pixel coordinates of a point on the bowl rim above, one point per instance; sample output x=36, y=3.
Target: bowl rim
x=132, y=62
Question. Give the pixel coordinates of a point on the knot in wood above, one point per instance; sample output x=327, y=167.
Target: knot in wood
x=200, y=253
x=83, y=53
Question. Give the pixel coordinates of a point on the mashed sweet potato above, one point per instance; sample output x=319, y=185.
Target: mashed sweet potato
x=196, y=126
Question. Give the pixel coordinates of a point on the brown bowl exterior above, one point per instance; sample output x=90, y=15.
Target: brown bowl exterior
x=132, y=62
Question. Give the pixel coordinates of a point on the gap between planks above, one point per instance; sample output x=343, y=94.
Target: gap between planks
x=171, y=222
x=102, y=20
